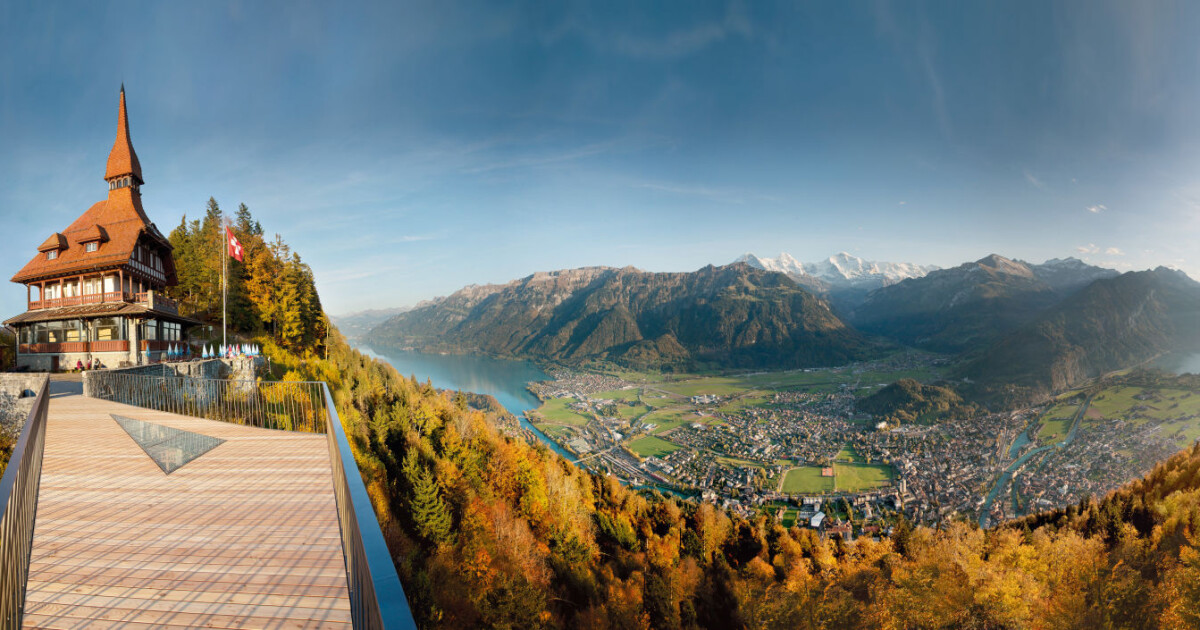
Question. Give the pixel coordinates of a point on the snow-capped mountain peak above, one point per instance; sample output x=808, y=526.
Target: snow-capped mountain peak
x=842, y=270
x=784, y=263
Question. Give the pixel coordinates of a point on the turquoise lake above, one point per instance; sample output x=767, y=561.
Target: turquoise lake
x=502, y=378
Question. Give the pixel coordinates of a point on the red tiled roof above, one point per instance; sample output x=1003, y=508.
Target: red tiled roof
x=94, y=233
x=56, y=241
x=124, y=221
x=122, y=160
x=117, y=223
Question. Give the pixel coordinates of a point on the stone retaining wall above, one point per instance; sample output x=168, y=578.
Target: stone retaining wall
x=17, y=394
x=237, y=369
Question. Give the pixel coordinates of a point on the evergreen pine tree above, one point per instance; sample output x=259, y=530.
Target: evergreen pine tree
x=426, y=507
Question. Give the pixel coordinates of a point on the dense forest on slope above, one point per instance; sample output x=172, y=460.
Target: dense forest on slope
x=907, y=400
x=488, y=530
x=732, y=316
x=271, y=290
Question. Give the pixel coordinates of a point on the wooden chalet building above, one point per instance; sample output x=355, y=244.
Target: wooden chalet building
x=93, y=290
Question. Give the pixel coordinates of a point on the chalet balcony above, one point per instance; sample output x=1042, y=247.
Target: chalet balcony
x=74, y=346
x=147, y=298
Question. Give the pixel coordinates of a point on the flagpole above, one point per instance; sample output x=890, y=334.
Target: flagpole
x=224, y=281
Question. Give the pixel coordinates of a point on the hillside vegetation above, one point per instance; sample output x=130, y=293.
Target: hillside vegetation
x=488, y=530
x=907, y=400
x=271, y=290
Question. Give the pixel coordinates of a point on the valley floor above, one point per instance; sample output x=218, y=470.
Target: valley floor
x=792, y=442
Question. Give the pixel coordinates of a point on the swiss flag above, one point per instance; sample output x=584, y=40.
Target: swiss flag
x=235, y=248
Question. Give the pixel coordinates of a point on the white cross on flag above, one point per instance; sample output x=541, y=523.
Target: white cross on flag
x=235, y=248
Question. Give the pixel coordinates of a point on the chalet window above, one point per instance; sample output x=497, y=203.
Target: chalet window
x=52, y=254
x=57, y=332
x=109, y=329
x=150, y=330
x=91, y=247
x=171, y=331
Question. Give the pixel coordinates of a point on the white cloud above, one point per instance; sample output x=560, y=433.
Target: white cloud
x=1113, y=251
x=1090, y=248
x=904, y=203
x=1097, y=208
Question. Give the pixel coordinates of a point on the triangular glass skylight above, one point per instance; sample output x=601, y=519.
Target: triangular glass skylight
x=169, y=448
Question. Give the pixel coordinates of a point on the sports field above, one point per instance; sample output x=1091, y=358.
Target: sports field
x=806, y=480
x=651, y=445
x=847, y=478
x=859, y=477
x=555, y=410
x=1056, y=422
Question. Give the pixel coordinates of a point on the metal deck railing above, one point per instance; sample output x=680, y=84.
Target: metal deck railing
x=377, y=599
x=283, y=405
x=18, y=510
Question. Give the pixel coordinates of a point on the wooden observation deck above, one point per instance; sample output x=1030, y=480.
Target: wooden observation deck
x=144, y=518
x=244, y=536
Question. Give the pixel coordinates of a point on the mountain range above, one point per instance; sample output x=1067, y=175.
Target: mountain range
x=1111, y=324
x=951, y=310
x=731, y=316
x=1040, y=327
x=360, y=323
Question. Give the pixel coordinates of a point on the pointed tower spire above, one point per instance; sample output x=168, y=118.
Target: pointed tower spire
x=122, y=161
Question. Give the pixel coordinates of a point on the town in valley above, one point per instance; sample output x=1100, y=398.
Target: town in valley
x=795, y=445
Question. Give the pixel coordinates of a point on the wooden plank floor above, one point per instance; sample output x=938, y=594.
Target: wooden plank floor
x=245, y=536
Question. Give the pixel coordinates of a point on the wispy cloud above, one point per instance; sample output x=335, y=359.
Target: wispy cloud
x=532, y=161
x=716, y=194
x=926, y=52
x=1113, y=251
x=904, y=203
x=1090, y=248
x=1033, y=180
x=1097, y=208
x=681, y=43
x=358, y=272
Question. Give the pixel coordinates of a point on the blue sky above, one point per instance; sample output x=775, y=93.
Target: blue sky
x=408, y=149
